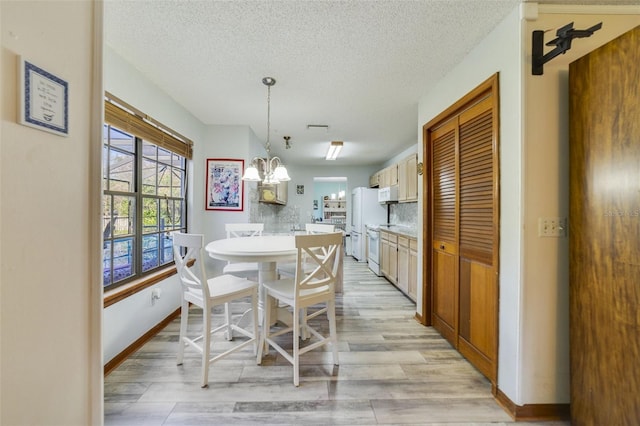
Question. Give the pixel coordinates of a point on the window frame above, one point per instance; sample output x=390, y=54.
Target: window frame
x=177, y=163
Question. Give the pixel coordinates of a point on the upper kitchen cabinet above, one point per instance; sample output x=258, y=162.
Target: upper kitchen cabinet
x=270, y=193
x=374, y=180
x=273, y=194
x=388, y=176
x=408, y=179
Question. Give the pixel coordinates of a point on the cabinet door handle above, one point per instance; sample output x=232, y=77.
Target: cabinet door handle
x=441, y=246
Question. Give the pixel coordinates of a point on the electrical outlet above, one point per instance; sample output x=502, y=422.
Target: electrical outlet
x=552, y=227
x=155, y=295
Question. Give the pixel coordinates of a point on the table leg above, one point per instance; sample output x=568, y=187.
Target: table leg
x=267, y=272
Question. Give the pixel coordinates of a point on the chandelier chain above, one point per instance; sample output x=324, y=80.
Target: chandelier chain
x=268, y=144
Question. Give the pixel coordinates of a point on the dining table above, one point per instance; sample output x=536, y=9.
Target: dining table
x=266, y=250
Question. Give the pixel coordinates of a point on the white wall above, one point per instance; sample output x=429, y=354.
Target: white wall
x=126, y=321
x=233, y=142
x=49, y=204
x=533, y=338
x=545, y=274
x=404, y=154
x=499, y=53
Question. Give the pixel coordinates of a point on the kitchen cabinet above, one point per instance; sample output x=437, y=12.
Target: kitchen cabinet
x=403, y=264
x=408, y=179
x=399, y=261
x=412, y=290
x=273, y=194
x=383, y=178
x=393, y=174
x=393, y=259
x=388, y=176
x=407, y=269
x=374, y=180
x=384, y=253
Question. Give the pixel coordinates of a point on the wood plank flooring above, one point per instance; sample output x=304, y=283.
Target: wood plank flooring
x=392, y=371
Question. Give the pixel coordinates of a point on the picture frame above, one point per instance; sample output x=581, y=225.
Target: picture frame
x=43, y=99
x=224, y=184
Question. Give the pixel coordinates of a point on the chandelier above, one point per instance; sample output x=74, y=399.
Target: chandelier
x=272, y=167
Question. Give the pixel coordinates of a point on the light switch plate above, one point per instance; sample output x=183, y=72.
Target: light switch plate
x=552, y=227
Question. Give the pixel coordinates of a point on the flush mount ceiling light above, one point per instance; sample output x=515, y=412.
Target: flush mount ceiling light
x=273, y=169
x=334, y=150
x=324, y=127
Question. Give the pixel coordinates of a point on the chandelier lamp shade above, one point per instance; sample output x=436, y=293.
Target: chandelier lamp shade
x=272, y=168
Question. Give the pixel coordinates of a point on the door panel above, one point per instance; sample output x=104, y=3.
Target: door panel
x=444, y=257
x=604, y=291
x=445, y=307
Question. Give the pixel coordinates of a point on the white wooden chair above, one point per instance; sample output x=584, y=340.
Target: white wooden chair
x=309, y=287
x=289, y=269
x=235, y=230
x=207, y=293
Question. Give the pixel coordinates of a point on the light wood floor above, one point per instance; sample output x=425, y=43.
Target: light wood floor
x=392, y=371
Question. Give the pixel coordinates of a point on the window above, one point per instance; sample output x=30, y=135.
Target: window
x=144, y=199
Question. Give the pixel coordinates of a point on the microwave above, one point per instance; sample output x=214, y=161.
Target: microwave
x=388, y=194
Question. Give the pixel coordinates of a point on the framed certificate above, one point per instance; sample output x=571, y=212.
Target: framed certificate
x=44, y=99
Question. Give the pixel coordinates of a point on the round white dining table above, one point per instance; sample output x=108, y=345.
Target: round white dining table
x=266, y=250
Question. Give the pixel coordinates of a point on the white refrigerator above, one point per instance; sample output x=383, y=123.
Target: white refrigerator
x=366, y=210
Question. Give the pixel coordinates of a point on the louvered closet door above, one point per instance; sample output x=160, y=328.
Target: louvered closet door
x=444, y=257
x=477, y=237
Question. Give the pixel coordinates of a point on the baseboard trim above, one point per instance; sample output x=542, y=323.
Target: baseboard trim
x=533, y=412
x=122, y=356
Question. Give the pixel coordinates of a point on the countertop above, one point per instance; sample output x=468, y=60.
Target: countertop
x=404, y=231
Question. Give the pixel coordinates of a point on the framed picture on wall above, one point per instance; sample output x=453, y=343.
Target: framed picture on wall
x=43, y=99
x=224, y=187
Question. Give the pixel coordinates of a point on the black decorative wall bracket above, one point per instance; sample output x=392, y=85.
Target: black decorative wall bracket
x=562, y=43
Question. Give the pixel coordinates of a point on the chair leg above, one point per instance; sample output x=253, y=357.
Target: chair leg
x=304, y=334
x=256, y=328
x=227, y=315
x=333, y=335
x=206, y=345
x=263, y=347
x=184, y=320
x=296, y=347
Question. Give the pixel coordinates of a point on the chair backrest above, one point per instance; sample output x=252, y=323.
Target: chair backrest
x=322, y=252
x=187, y=248
x=235, y=230
x=319, y=228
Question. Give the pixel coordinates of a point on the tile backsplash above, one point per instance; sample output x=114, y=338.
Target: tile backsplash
x=404, y=214
x=280, y=219
x=276, y=218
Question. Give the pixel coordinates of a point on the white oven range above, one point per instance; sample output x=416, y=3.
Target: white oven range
x=373, y=242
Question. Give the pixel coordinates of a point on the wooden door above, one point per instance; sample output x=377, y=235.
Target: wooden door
x=445, y=230
x=464, y=227
x=478, y=236
x=605, y=234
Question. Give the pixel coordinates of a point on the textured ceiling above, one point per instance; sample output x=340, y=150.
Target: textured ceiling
x=359, y=67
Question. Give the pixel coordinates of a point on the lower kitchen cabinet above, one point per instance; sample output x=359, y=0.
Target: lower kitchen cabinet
x=399, y=262
x=403, y=264
x=384, y=253
x=412, y=291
